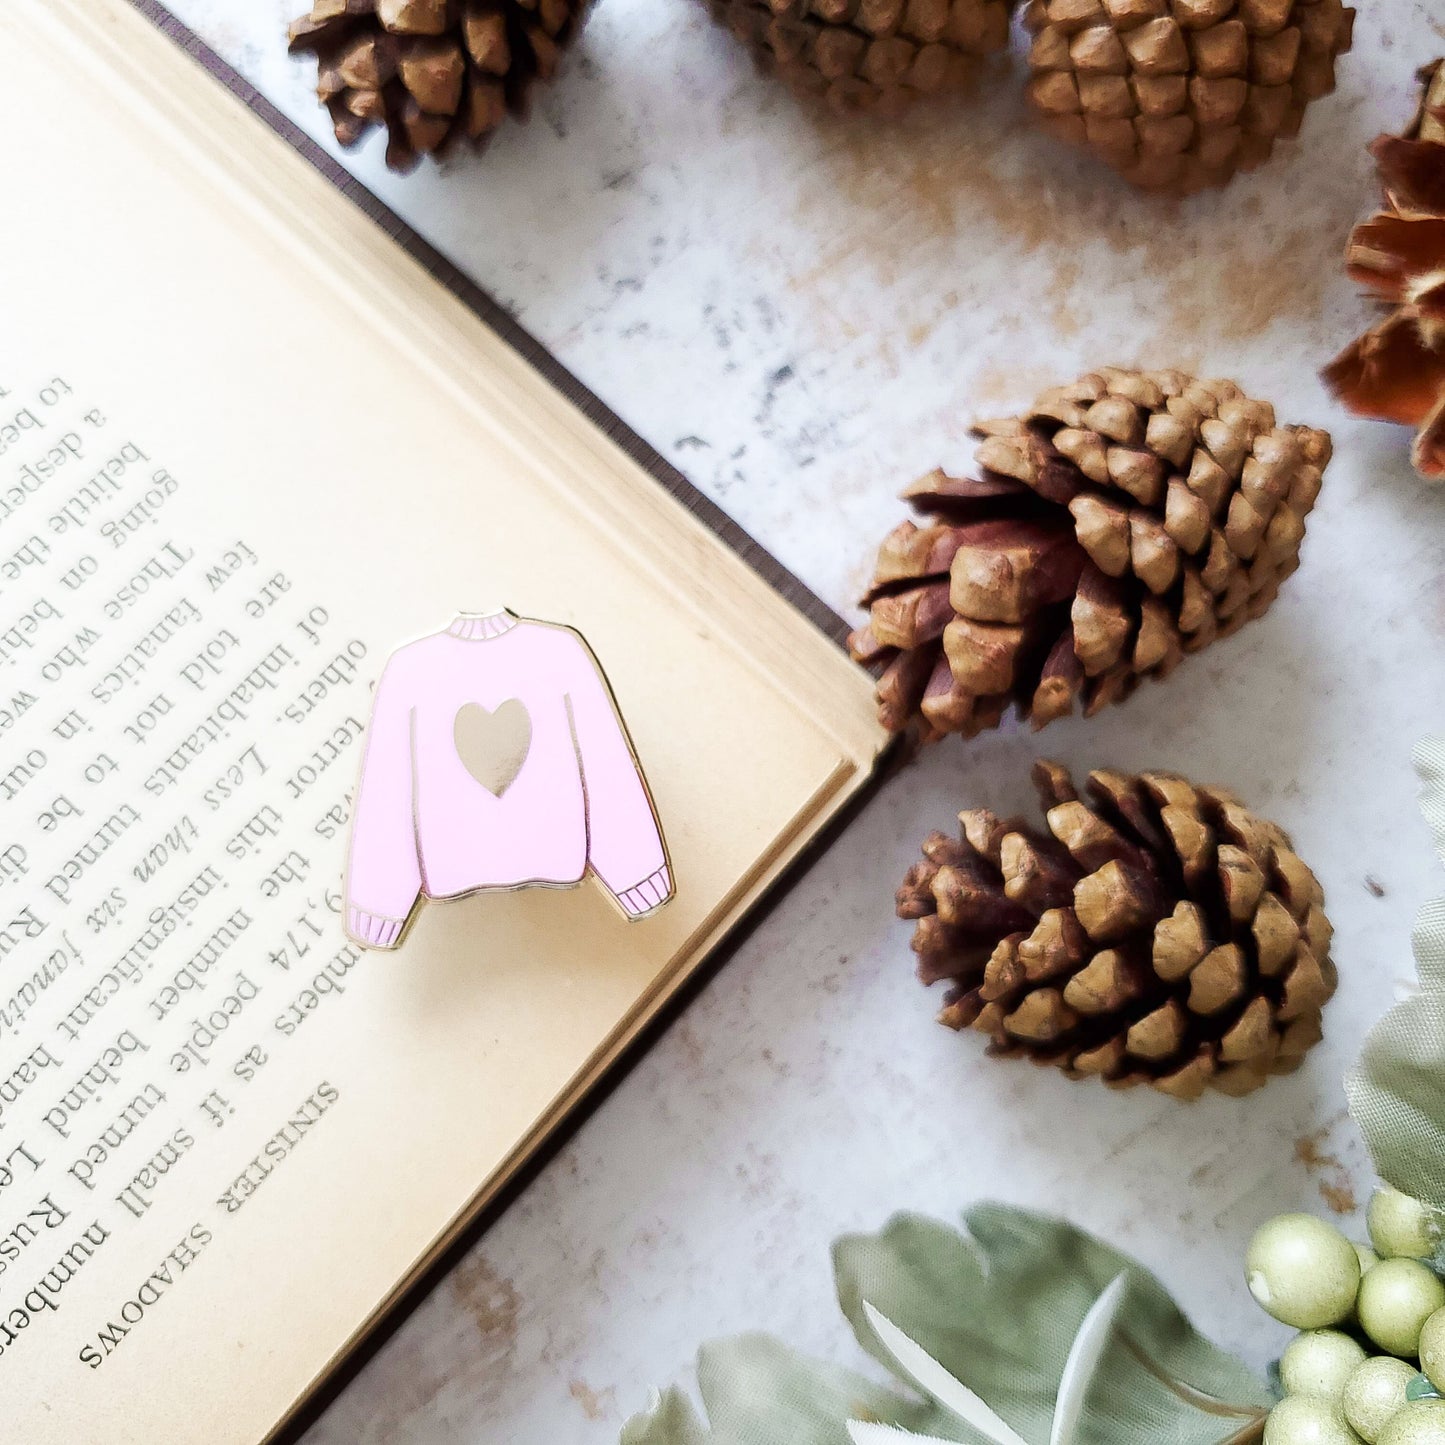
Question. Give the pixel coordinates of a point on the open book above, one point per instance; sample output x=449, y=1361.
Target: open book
x=248, y=448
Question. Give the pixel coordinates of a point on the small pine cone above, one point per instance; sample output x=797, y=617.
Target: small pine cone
x=1158, y=933
x=433, y=72
x=1396, y=370
x=1178, y=95
x=868, y=55
x=1121, y=523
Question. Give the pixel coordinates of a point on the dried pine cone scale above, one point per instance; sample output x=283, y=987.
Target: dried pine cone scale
x=432, y=72
x=1396, y=371
x=1124, y=522
x=868, y=55
x=1181, y=94
x=1155, y=932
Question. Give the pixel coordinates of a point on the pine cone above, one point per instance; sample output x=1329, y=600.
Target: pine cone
x=1178, y=95
x=1158, y=933
x=1121, y=523
x=431, y=71
x=1396, y=371
x=868, y=55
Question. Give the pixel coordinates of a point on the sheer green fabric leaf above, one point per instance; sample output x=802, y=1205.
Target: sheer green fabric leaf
x=1430, y=764
x=1397, y=1089
x=934, y=1383
x=999, y=1310
x=758, y=1391
x=670, y=1421
x=862, y=1433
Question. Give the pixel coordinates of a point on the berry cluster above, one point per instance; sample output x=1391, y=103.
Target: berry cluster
x=1369, y=1361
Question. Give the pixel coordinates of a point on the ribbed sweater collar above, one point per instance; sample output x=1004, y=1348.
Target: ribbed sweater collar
x=480, y=626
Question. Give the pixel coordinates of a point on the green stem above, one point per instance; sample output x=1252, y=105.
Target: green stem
x=1254, y=1415
x=1252, y=1433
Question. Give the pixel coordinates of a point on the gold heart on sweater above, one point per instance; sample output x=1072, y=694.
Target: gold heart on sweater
x=493, y=745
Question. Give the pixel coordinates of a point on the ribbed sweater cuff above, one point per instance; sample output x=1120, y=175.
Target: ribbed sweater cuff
x=373, y=929
x=652, y=892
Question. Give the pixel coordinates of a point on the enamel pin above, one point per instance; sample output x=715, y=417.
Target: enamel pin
x=496, y=759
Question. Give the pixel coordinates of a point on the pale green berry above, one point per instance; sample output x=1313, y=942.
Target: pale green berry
x=1300, y=1420
x=1303, y=1271
x=1375, y=1393
x=1432, y=1348
x=1402, y=1227
x=1318, y=1362
x=1368, y=1258
x=1421, y=1423
x=1396, y=1298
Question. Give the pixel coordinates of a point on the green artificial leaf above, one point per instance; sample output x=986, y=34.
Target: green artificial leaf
x=758, y=1391
x=998, y=1310
x=936, y=1384
x=670, y=1421
x=1397, y=1089
x=761, y=1392
x=860, y=1432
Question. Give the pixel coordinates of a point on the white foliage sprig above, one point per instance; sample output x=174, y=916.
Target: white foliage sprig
x=942, y=1387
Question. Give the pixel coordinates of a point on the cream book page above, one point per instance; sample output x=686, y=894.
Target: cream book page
x=247, y=447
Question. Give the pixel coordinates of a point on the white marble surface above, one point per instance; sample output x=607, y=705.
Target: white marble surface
x=803, y=315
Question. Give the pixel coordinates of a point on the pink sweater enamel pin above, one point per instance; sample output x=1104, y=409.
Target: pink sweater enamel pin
x=496, y=759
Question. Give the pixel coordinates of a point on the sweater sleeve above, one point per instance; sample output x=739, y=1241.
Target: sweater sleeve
x=624, y=842
x=383, y=873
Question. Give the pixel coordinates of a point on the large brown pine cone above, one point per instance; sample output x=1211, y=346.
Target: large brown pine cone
x=868, y=55
x=1396, y=370
x=1158, y=933
x=1180, y=94
x=1119, y=524
x=433, y=72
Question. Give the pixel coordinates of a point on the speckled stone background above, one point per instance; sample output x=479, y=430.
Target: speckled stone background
x=803, y=314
